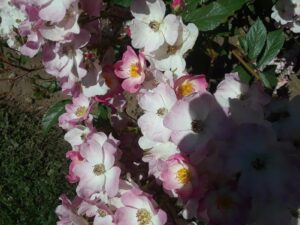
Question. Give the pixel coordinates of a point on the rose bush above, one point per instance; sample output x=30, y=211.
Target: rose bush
x=198, y=150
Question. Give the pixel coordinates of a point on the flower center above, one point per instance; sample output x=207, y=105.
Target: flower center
x=81, y=111
x=134, y=71
x=102, y=213
x=143, y=217
x=197, y=126
x=99, y=169
x=224, y=202
x=154, y=25
x=172, y=49
x=68, y=50
x=186, y=89
x=162, y=111
x=48, y=24
x=183, y=175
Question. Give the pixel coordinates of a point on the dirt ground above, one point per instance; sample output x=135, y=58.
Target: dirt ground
x=16, y=84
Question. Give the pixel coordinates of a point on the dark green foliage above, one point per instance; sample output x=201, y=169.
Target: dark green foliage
x=32, y=169
x=256, y=38
x=261, y=47
x=212, y=15
x=51, y=116
x=124, y=3
x=275, y=41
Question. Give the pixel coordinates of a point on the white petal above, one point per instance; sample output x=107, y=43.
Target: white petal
x=170, y=29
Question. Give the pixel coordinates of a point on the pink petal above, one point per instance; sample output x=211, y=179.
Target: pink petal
x=112, y=181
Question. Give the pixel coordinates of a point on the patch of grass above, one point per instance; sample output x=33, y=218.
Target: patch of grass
x=32, y=169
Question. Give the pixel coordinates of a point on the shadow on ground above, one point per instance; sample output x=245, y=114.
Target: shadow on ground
x=32, y=168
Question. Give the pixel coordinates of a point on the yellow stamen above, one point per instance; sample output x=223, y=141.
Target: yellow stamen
x=134, y=71
x=183, y=175
x=99, y=169
x=143, y=217
x=198, y=126
x=162, y=111
x=186, y=89
x=154, y=25
x=81, y=111
x=102, y=213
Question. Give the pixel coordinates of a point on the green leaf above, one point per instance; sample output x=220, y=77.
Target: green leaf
x=212, y=15
x=191, y=5
x=269, y=78
x=256, y=39
x=275, y=41
x=244, y=44
x=243, y=74
x=51, y=116
x=23, y=60
x=102, y=112
x=124, y=3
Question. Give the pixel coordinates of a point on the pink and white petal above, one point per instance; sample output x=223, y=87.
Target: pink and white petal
x=188, y=141
x=168, y=95
x=151, y=102
x=54, y=12
x=170, y=28
x=83, y=169
x=200, y=83
x=81, y=100
x=153, y=40
x=99, y=137
x=138, y=30
x=130, y=57
x=179, y=117
x=30, y=49
x=191, y=34
x=73, y=136
x=107, y=220
x=160, y=218
x=109, y=148
x=120, y=71
x=108, y=160
x=145, y=143
x=93, y=153
x=144, y=37
x=132, y=85
x=157, y=10
x=112, y=181
x=126, y=216
x=178, y=64
x=152, y=127
x=132, y=200
x=90, y=185
x=179, y=138
x=87, y=209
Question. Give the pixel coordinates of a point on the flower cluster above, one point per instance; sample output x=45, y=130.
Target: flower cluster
x=222, y=155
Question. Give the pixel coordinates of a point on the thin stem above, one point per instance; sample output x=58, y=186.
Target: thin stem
x=251, y=70
x=20, y=76
x=15, y=50
x=16, y=66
